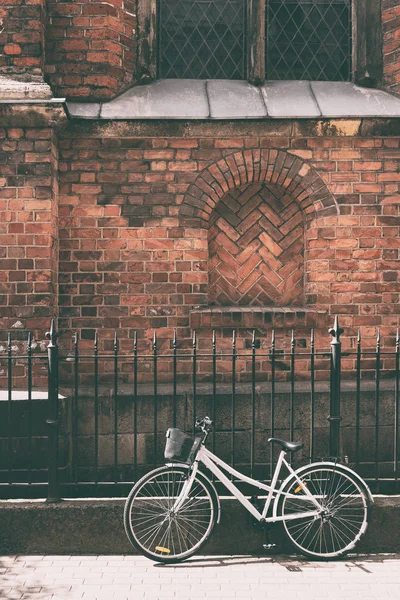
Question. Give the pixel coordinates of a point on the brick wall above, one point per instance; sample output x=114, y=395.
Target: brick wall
x=90, y=48
x=391, y=44
x=28, y=229
x=22, y=37
x=134, y=257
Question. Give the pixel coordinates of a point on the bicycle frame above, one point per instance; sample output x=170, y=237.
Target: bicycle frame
x=212, y=462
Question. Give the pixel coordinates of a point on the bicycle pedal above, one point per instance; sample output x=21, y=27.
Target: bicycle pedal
x=269, y=546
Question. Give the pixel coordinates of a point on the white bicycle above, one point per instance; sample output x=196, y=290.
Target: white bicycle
x=171, y=512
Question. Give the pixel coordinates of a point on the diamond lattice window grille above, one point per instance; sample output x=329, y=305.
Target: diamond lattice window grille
x=202, y=39
x=308, y=39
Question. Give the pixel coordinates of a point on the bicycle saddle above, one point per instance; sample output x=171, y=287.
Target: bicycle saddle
x=289, y=446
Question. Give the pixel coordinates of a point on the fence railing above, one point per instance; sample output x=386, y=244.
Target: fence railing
x=101, y=423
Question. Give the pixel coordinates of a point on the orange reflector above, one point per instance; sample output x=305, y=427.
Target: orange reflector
x=161, y=549
x=301, y=486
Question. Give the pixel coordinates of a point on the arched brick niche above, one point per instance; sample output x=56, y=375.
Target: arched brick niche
x=256, y=248
x=283, y=169
x=256, y=206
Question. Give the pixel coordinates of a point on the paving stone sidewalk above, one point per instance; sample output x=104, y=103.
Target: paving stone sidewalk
x=227, y=577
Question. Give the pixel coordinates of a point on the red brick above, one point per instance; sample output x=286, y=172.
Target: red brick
x=12, y=49
x=229, y=143
x=182, y=166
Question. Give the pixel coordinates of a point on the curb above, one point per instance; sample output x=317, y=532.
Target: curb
x=96, y=527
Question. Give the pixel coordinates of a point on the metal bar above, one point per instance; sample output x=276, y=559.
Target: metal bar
x=29, y=367
x=96, y=409
x=396, y=409
x=312, y=408
x=358, y=397
x=52, y=419
x=116, y=347
x=292, y=395
x=253, y=403
x=233, y=405
x=135, y=399
x=194, y=381
x=174, y=363
x=75, y=467
x=155, y=401
x=377, y=386
x=214, y=396
x=9, y=406
x=272, y=354
x=334, y=416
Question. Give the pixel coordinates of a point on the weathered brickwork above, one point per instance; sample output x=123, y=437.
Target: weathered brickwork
x=22, y=36
x=157, y=225
x=90, y=48
x=29, y=229
x=133, y=258
x=391, y=43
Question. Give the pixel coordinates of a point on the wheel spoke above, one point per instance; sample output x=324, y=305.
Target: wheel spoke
x=155, y=528
x=342, y=519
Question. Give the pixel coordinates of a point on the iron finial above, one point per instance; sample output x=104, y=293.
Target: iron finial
x=336, y=331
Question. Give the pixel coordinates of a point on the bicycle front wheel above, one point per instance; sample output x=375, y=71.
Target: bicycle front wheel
x=343, y=517
x=155, y=529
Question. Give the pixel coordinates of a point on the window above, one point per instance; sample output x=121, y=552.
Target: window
x=202, y=39
x=332, y=40
x=308, y=39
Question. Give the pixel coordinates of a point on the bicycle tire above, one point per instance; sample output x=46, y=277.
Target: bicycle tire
x=160, y=535
x=343, y=521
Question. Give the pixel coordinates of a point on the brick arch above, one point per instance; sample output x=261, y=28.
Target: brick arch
x=298, y=178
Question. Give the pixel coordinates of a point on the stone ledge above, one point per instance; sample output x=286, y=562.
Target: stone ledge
x=254, y=317
x=226, y=99
x=18, y=88
x=32, y=113
x=96, y=527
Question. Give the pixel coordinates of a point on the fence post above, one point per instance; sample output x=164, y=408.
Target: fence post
x=53, y=494
x=334, y=416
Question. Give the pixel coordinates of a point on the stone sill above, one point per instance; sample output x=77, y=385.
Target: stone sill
x=255, y=317
x=228, y=99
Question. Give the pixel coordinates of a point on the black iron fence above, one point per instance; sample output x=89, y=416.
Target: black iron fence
x=82, y=423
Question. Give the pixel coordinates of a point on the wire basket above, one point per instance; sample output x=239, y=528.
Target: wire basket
x=180, y=447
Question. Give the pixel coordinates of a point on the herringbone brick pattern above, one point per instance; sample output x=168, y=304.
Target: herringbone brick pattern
x=256, y=248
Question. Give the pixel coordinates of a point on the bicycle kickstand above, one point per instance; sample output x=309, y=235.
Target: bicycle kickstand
x=268, y=544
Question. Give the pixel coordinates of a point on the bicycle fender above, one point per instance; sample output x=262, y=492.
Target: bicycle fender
x=323, y=464
x=201, y=475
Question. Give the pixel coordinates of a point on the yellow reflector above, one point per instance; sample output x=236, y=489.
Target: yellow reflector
x=161, y=549
x=301, y=486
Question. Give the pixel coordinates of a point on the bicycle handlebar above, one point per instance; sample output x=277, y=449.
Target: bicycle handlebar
x=204, y=424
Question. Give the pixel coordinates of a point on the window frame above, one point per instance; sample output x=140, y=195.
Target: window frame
x=367, y=55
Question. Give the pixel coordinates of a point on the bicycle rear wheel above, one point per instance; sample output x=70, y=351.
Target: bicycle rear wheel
x=344, y=516
x=155, y=529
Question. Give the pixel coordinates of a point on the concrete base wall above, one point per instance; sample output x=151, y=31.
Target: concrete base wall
x=96, y=527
